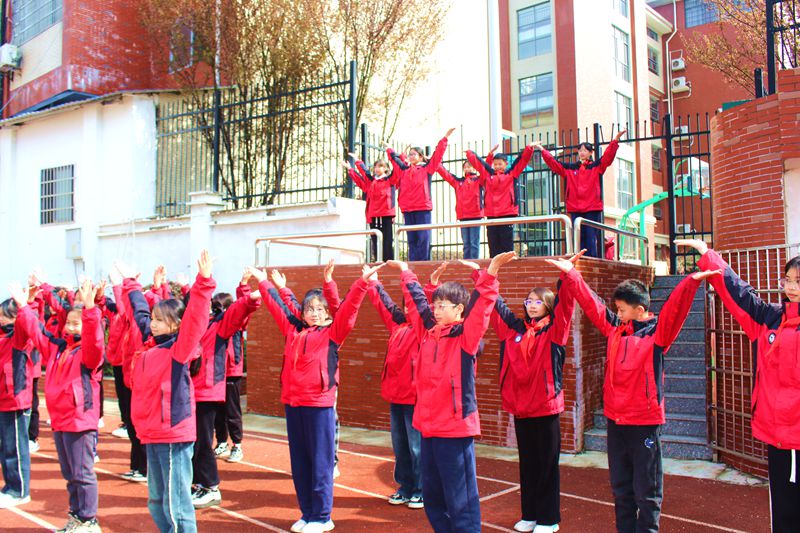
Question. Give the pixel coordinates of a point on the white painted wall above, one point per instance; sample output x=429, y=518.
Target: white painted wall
x=791, y=193
x=113, y=148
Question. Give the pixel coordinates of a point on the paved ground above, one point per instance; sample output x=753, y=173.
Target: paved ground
x=258, y=493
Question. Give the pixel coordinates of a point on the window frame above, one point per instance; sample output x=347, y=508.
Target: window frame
x=533, y=27
x=31, y=18
x=698, y=12
x=622, y=68
x=57, y=195
x=536, y=95
x=628, y=102
x=629, y=196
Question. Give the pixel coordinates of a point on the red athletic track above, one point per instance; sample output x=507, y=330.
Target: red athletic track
x=258, y=495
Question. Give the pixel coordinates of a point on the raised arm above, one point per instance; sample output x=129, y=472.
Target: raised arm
x=285, y=318
x=739, y=298
x=479, y=310
x=593, y=306
x=438, y=153
x=91, y=337
x=551, y=161
x=563, y=307
x=503, y=320
x=237, y=315
x=608, y=155
x=396, y=159
x=447, y=176
x=139, y=308
x=195, y=319
x=522, y=160
x=345, y=319
x=675, y=311
x=480, y=165
x=390, y=312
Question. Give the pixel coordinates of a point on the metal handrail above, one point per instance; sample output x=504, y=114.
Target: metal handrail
x=282, y=239
x=580, y=221
x=564, y=219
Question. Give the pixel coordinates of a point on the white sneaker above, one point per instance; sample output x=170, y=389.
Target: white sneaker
x=221, y=450
x=415, y=502
x=318, y=527
x=336, y=472
x=96, y=459
x=90, y=526
x=204, y=497
x=7, y=500
x=101, y=423
x=546, y=529
x=72, y=522
x=121, y=432
x=134, y=475
x=236, y=454
x=298, y=526
x=525, y=526
x=33, y=446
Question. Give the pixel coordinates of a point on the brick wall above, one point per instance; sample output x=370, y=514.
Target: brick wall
x=749, y=147
x=361, y=357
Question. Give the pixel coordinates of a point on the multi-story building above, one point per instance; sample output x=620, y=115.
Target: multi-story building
x=568, y=64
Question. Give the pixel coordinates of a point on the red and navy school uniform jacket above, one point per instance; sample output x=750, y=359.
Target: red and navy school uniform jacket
x=156, y=294
x=379, y=191
x=633, y=390
x=37, y=358
x=162, y=400
x=235, y=360
x=74, y=374
x=209, y=382
x=774, y=333
x=445, y=377
x=397, y=378
x=469, y=193
x=414, y=181
x=329, y=290
x=501, y=194
x=532, y=357
x=116, y=329
x=582, y=180
x=16, y=366
x=131, y=339
x=310, y=372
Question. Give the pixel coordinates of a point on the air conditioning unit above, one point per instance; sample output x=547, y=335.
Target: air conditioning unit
x=10, y=57
x=684, y=228
x=679, y=85
x=658, y=212
x=677, y=64
x=681, y=130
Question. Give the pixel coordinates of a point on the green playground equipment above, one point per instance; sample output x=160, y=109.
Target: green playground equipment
x=684, y=187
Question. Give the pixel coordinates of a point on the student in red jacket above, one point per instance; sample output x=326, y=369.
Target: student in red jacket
x=229, y=414
x=398, y=388
x=208, y=376
x=502, y=197
x=163, y=403
x=72, y=392
x=774, y=333
x=16, y=372
x=379, y=189
x=582, y=193
x=309, y=379
x=633, y=390
x=446, y=412
x=116, y=332
x=413, y=181
x=469, y=203
x=532, y=352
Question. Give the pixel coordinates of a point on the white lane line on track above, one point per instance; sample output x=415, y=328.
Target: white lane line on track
x=369, y=456
x=221, y=509
x=663, y=515
x=35, y=519
x=501, y=493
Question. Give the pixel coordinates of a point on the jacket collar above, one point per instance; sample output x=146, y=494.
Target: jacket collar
x=791, y=309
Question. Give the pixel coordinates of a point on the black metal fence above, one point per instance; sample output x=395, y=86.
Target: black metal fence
x=262, y=146
x=783, y=38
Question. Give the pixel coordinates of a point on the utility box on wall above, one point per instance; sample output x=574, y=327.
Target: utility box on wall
x=74, y=249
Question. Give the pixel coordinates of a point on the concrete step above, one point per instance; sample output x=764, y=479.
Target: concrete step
x=686, y=425
x=662, y=293
x=684, y=365
x=691, y=334
x=685, y=402
x=667, y=281
x=672, y=446
x=685, y=383
x=687, y=349
x=698, y=305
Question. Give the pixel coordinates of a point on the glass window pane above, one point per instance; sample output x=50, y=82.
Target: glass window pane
x=534, y=31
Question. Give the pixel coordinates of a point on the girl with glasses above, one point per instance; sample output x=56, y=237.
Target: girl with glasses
x=532, y=351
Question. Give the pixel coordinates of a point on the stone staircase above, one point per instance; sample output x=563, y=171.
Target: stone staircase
x=685, y=434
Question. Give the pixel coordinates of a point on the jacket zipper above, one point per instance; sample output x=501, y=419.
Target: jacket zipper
x=453, y=394
x=647, y=387
x=546, y=384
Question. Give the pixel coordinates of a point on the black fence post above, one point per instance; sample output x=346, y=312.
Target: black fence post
x=351, y=121
x=217, y=135
x=758, y=76
x=596, y=143
x=673, y=250
x=364, y=143
x=771, y=67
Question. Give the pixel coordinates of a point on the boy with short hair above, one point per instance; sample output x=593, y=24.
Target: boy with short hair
x=633, y=390
x=450, y=332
